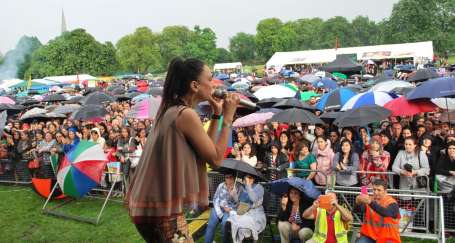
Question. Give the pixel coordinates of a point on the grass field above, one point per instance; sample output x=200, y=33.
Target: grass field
x=451, y=60
x=21, y=220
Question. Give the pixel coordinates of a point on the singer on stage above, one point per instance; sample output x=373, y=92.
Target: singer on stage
x=171, y=174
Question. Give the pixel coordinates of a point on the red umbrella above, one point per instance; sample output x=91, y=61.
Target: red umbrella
x=404, y=107
x=217, y=82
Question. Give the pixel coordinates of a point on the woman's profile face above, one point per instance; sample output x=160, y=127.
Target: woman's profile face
x=205, y=88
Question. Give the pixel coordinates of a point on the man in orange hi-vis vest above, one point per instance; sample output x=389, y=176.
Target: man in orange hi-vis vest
x=382, y=216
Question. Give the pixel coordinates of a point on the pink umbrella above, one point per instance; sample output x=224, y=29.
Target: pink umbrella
x=253, y=119
x=6, y=100
x=145, y=109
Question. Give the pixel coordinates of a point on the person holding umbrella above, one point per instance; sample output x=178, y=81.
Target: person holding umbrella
x=225, y=200
x=291, y=223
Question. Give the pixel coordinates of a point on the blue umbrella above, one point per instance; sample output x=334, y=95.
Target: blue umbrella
x=307, y=187
x=434, y=88
x=325, y=84
x=222, y=76
x=335, y=99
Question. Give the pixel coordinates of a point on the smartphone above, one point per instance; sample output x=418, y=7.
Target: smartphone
x=363, y=190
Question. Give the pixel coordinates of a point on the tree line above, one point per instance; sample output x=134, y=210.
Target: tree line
x=146, y=51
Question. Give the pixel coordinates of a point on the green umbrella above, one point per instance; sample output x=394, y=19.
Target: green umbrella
x=304, y=96
x=340, y=75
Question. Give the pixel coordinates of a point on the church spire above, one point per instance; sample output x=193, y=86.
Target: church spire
x=64, y=29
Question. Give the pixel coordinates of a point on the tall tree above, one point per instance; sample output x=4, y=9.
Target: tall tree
x=243, y=47
x=73, y=52
x=268, y=40
x=364, y=31
x=307, y=31
x=336, y=28
x=140, y=51
x=173, y=40
x=202, y=45
x=223, y=55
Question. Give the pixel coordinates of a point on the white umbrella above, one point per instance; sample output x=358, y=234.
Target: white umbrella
x=388, y=86
x=274, y=91
x=445, y=103
x=33, y=112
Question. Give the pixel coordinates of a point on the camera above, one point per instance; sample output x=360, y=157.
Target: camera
x=408, y=167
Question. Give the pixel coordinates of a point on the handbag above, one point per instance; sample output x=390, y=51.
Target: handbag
x=421, y=180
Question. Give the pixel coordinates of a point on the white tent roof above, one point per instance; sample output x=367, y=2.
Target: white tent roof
x=232, y=65
x=70, y=78
x=419, y=50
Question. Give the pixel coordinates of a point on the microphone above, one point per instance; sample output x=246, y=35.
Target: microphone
x=221, y=94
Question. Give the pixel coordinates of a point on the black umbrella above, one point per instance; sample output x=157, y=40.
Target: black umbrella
x=74, y=100
x=295, y=115
x=362, y=116
x=8, y=107
x=240, y=166
x=268, y=103
x=54, y=98
x=422, y=75
x=331, y=115
x=89, y=112
x=293, y=103
x=29, y=101
x=114, y=87
x=118, y=91
x=97, y=98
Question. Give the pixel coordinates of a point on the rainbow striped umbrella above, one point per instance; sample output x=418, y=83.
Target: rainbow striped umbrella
x=81, y=169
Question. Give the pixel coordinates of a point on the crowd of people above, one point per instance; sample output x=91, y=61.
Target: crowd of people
x=406, y=153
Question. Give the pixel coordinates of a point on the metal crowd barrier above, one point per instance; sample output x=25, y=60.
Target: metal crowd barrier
x=15, y=172
x=449, y=211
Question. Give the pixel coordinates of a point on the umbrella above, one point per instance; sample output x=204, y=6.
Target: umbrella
x=240, y=166
x=293, y=103
x=267, y=103
x=43, y=186
x=156, y=91
x=295, y=115
x=367, y=99
x=423, y=74
x=81, y=169
x=6, y=100
x=145, y=109
x=66, y=109
x=434, y=88
x=74, y=100
x=222, y=76
x=304, y=96
x=54, y=98
x=6, y=107
x=335, y=99
x=310, y=78
x=54, y=115
x=331, y=115
x=140, y=97
x=403, y=107
x=240, y=85
x=253, y=119
x=29, y=101
x=323, y=74
x=325, y=83
x=340, y=75
x=89, y=113
x=274, y=91
x=362, y=116
x=307, y=187
x=3, y=117
x=402, y=90
x=445, y=103
x=97, y=98
x=389, y=86
x=118, y=91
x=33, y=112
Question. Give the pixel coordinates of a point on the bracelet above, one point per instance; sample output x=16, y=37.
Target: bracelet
x=216, y=117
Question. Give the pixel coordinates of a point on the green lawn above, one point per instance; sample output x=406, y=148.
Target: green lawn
x=21, y=220
x=451, y=60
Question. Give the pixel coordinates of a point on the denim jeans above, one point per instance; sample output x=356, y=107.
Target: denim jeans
x=211, y=226
x=365, y=239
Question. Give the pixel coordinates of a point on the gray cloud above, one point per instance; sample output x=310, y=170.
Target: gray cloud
x=109, y=20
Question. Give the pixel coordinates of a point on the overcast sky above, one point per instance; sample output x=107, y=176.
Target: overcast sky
x=109, y=20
